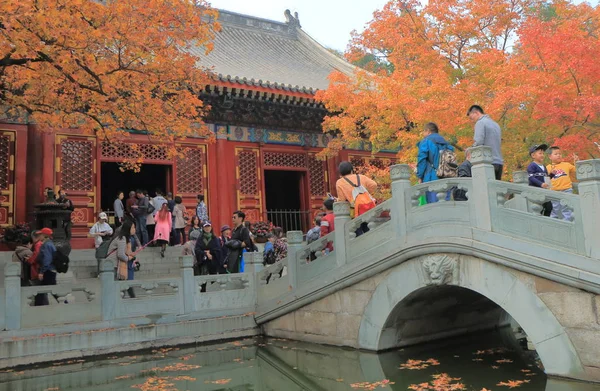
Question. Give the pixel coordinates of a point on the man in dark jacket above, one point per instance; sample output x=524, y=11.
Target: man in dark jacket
x=208, y=251
x=240, y=240
x=225, y=237
x=464, y=171
x=68, y=205
x=140, y=212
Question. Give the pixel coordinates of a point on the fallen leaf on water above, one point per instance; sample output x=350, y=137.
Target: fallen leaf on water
x=123, y=377
x=220, y=381
x=504, y=360
x=419, y=364
x=477, y=359
x=176, y=367
x=512, y=383
x=495, y=367
x=339, y=380
x=525, y=370
x=441, y=382
x=185, y=358
x=530, y=374
x=132, y=326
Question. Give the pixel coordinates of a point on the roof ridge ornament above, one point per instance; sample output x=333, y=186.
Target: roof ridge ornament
x=293, y=22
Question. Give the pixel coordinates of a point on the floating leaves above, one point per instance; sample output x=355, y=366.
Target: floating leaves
x=419, y=364
x=164, y=383
x=512, y=383
x=372, y=386
x=220, y=381
x=440, y=382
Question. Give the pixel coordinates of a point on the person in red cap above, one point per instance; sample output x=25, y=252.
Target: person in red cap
x=47, y=272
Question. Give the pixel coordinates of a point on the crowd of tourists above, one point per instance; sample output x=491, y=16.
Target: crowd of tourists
x=162, y=220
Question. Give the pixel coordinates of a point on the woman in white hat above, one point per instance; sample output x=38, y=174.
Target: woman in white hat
x=101, y=231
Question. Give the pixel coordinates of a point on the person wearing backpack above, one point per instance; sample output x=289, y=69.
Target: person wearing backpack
x=22, y=254
x=356, y=189
x=431, y=149
x=47, y=272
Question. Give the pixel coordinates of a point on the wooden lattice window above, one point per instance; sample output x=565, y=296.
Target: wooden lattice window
x=377, y=163
x=4, y=162
x=189, y=171
x=124, y=150
x=317, y=176
x=357, y=162
x=77, y=167
x=279, y=159
x=248, y=165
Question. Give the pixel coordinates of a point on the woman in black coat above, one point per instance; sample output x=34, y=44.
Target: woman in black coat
x=208, y=251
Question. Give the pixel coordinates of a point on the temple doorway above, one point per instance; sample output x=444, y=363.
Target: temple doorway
x=150, y=177
x=285, y=194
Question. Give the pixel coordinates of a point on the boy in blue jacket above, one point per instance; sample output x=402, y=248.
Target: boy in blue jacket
x=537, y=170
x=538, y=174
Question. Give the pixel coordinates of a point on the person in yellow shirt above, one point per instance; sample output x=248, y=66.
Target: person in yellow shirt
x=562, y=176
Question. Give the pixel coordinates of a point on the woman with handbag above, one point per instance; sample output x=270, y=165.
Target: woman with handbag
x=124, y=255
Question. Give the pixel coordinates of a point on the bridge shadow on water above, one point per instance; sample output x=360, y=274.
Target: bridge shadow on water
x=479, y=361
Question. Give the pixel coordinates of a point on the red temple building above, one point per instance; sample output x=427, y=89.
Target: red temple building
x=268, y=132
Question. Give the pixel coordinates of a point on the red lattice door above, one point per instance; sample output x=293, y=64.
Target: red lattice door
x=191, y=176
x=318, y=183
x=7, y=178
x=249, y=183
x=76, y=174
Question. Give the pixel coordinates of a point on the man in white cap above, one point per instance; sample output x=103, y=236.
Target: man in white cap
x=101, y=230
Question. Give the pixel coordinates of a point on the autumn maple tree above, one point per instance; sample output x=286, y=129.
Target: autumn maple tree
x=106, y=67
x=531, y=64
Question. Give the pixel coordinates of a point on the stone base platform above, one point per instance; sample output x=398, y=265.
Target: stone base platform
x=31, y=346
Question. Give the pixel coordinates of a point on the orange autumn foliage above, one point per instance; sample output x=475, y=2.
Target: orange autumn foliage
x=531, y=64
x=106, y=67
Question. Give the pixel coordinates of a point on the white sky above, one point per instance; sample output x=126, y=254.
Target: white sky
x=328, y=21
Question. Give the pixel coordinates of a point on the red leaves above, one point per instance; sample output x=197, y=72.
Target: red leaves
x=512, y=383
x=440, y=382
x=419, y=364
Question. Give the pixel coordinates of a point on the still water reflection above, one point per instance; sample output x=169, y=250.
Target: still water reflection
x=487, y=361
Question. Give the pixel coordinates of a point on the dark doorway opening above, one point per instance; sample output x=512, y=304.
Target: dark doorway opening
x=150, y=177
x=285, y=192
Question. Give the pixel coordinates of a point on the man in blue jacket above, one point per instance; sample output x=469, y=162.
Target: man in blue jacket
x=429, y=157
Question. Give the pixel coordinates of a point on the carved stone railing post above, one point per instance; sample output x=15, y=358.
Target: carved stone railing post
x=480, y=201
x=294, y=244
x=189, y=289
x=518, y=202
x=12, y=295
x=253, y=262
x=400, y=175
x=341, y=211
x=109, y=289
x=588, y=173
x=521, y=177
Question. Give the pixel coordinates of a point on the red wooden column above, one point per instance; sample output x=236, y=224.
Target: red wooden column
x=223, y=187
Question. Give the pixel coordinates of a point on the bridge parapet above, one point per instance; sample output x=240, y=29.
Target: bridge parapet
x=499, y=221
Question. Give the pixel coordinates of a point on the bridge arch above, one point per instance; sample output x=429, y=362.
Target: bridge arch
x=441, y=275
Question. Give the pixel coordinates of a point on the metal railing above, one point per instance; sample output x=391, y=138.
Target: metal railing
x=289, y=220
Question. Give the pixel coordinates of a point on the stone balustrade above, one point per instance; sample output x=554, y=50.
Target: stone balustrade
x=108, y=300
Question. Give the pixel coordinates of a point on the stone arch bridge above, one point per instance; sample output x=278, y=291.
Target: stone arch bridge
x=434, y=271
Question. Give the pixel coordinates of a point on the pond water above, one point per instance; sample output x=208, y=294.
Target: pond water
x=491, y=361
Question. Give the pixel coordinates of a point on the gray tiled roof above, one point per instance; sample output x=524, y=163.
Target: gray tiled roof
x=256, y=51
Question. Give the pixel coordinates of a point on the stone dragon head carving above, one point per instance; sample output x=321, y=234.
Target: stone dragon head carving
x=439, y=269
